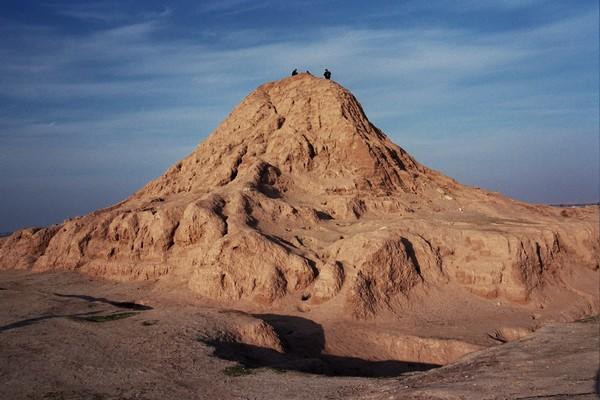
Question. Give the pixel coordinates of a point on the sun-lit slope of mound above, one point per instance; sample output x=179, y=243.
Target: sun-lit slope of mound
x=296, y=199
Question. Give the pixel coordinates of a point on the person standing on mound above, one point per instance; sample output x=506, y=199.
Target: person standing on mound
x=327, y=74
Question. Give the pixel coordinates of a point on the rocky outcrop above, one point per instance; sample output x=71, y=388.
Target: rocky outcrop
x=249, y=265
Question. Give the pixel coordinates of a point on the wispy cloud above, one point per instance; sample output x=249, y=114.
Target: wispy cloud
x=232, y=7
x=105, y=11
x=497, y=4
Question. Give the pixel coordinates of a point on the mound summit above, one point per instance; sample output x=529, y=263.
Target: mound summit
x=296, y=198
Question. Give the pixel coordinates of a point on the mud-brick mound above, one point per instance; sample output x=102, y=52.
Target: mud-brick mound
x=297, y=198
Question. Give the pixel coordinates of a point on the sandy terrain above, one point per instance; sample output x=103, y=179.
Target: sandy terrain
x=50, y=351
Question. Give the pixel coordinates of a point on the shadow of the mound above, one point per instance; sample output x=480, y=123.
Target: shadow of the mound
x=304, y=342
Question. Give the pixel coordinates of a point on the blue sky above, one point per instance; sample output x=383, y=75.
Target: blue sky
x=97, y=98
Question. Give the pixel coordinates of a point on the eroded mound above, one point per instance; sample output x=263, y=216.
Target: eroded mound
x=297, y=200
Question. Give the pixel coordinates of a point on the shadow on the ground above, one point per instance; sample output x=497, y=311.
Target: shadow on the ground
x=121, y=304
x=93, y=316
x=90, y=316
x=31, y=321
x=304, y=342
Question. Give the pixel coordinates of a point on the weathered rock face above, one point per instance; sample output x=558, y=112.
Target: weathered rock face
x=296, y=196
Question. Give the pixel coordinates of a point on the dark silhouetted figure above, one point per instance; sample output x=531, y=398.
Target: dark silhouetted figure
x=295, y=72
x=327, y=74
x=308, y=72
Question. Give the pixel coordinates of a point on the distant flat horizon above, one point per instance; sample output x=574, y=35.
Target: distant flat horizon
x=90, y=208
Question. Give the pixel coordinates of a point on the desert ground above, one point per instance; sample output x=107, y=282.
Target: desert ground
x=58, y=344
x=298, y=252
